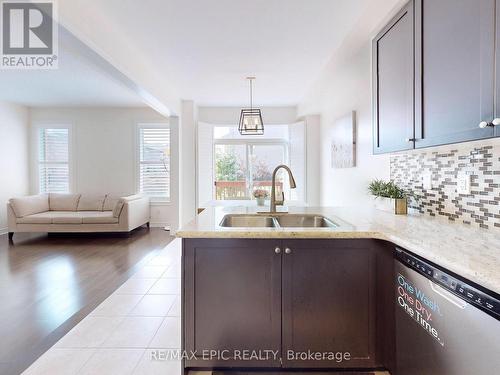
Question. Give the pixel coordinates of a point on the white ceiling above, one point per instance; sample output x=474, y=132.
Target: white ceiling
x=77, y=82
x=206, y=48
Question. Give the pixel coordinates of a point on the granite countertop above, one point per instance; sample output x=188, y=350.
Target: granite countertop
x=470, y=252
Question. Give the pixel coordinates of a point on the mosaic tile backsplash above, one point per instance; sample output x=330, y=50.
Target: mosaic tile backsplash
x=479, y=208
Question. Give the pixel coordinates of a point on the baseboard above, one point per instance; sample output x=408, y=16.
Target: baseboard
x=159, y=224
x=3, y=231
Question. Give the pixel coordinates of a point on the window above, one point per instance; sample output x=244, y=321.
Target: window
x=154, y=161
x=53, y=160
x=241, y=168
x=232, y=166
x=231, y=171
x=243, y=164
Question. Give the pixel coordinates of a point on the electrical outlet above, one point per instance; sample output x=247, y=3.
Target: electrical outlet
x=427, y=181
x=463, y=183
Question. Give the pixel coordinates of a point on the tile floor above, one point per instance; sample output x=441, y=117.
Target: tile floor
x=122, y=334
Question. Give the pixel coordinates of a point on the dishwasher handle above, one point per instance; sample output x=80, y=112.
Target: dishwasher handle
x=450, y=297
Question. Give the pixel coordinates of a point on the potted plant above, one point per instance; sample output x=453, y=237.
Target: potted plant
x=260, y=195
x=390, y=193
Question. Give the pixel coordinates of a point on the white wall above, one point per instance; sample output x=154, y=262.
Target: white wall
x=14, y=139
x=187, y=161
x=204, y=162
x=231, y=115
x=345, y=85
x=313, y=175
x=141, y=74
x=347, y=88
x=105, y=153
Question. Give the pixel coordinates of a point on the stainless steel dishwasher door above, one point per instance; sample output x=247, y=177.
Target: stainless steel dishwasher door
x=438, y=333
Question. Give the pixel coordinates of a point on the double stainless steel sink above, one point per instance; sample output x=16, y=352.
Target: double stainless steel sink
x=277, y=221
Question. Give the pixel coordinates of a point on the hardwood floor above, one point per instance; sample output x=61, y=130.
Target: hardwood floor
x=49, y=283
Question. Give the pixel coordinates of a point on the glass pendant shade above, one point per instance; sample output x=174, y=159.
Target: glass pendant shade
x=251, y=122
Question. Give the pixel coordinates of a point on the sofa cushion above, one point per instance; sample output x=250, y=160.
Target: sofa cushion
x=41, y=218
x=67, y=217
x=63, y=202
x=90, y=202
x=102, y=217
x=30, y=205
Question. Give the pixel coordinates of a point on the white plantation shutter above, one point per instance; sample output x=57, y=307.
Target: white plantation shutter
x=297, y=152
x=154, y=161
x=53, y=160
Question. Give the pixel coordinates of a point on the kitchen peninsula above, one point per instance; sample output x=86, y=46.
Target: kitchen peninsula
x=319, y=296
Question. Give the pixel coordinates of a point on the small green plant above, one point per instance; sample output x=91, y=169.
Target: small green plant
x=383, y=189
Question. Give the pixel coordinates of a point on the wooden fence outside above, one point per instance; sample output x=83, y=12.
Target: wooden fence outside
x=236, y=190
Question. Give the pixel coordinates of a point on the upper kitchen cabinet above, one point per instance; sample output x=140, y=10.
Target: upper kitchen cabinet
x=393, y=84
x=496, y=121
x=435, y=71
x=454, y=70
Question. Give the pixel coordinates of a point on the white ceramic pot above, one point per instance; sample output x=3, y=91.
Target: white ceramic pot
x=384, y=204
x=261, y=201
x=395, y=206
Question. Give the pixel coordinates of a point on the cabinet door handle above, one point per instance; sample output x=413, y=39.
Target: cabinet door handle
x=288, y=250
x=277, y=250
x=496, y=121
x=410, y=139
x=485, y=124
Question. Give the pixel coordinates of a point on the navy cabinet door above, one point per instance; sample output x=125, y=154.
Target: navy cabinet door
x=455, y=70
x=393, y=84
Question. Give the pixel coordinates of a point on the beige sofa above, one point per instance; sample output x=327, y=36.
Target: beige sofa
x=77, y=213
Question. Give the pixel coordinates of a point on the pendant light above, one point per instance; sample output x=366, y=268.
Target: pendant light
x=251, y=118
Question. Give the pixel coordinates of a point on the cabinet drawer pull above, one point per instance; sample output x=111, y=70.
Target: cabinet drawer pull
x=288, y=250
x=410, y=139
x=485, y=124
x=496, y=121
x=277, y=250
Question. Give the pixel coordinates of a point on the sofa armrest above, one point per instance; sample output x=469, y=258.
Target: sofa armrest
x=135, y=212
x=133, y=197
x=11, y=218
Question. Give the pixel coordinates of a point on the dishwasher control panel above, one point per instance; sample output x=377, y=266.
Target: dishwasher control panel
x=466, y=292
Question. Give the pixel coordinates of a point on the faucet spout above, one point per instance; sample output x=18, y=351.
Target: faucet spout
x=293, y=185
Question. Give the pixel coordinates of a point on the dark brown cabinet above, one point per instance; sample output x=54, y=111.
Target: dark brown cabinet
x=497, y=70
x=455, y=66
x=393, y=84
x=329, y=303
x=292, y=297
x=232, y=301
x=450, y=50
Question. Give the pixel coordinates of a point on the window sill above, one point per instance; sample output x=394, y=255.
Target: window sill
x=248, y=203
x=157, y=202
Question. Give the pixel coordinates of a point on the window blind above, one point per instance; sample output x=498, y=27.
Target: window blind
x=53, y=160
x=154, y=162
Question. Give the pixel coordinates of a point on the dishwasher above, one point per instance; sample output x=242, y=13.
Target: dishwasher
x=444, y=324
